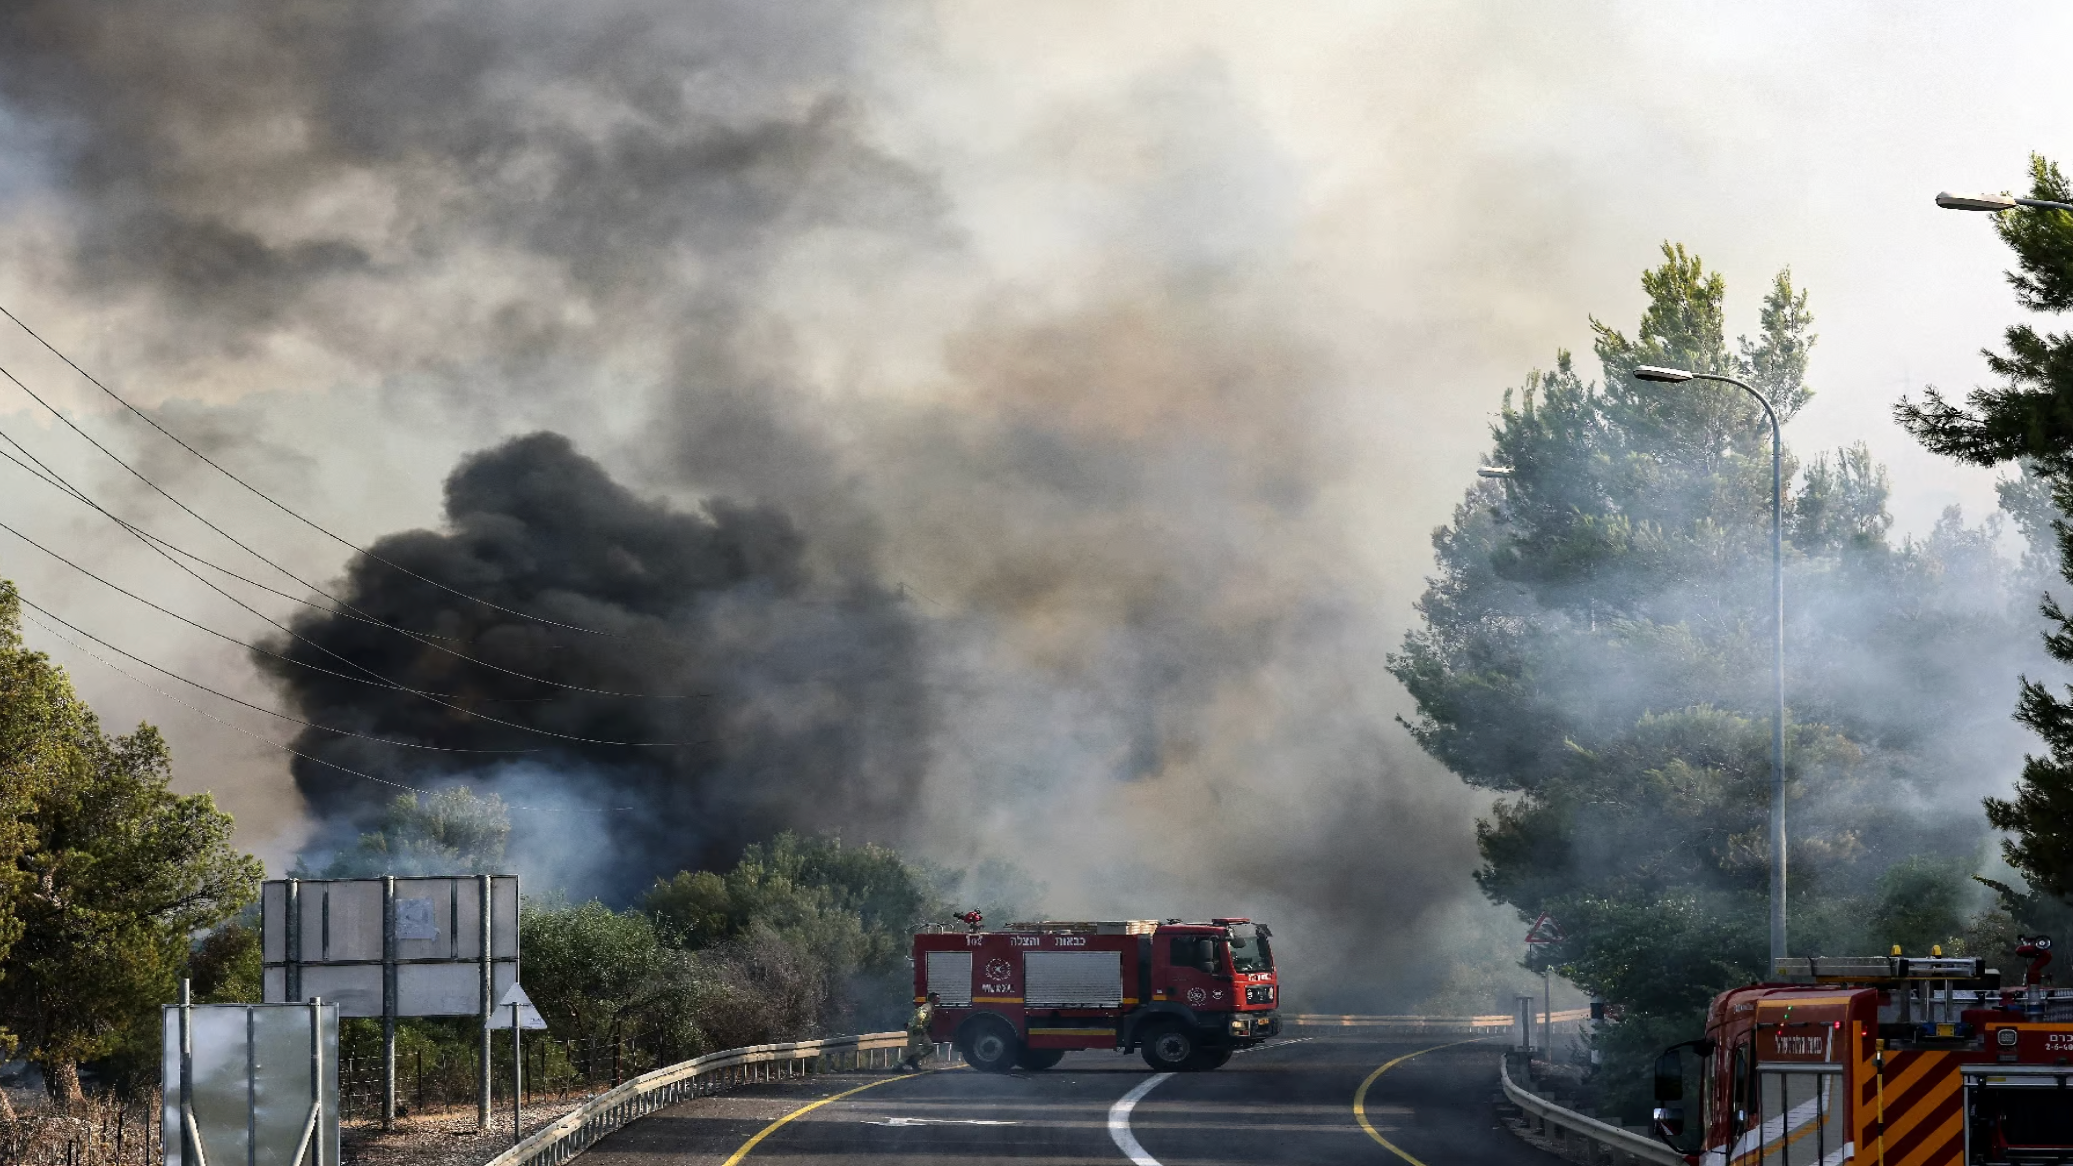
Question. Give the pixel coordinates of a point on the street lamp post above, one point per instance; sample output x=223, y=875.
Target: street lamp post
x=1995, y=202
x=1677, y=376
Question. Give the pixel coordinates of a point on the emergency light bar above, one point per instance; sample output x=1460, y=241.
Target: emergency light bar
x=1856, y=969
x=1089, y=927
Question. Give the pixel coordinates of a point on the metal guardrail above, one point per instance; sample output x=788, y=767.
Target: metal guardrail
x=577, y=1130
x=1624, y=1146
x=569, y=1135
x=1494, y=1022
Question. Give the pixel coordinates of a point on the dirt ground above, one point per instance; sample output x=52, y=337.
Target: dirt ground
x=441, y=1137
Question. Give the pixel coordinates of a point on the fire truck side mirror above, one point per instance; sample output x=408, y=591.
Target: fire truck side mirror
x=1669, y=1119
x=1670, y=1079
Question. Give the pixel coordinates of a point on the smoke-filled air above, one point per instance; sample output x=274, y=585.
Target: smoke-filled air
x=1043, y=441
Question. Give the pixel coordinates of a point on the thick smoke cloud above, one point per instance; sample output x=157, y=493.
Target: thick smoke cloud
x=459, y=190
x=1139, y=650
x=784, y=700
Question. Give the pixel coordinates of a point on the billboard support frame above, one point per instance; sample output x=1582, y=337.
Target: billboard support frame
x=388, y=1002
x=190, y=1141
x=309, y=1150
x=293, y=963
x=489, y=1006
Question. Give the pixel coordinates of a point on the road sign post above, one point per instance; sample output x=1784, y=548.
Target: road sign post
x=489, y=992
x=1545, y=931
x=516, y=1012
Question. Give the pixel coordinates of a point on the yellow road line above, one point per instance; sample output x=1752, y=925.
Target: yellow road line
x=1360, y=1097
x=772, y=1128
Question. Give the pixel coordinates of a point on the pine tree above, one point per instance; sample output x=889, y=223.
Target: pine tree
x=1594, y=650
x=111, y=870
x=2029, y=419
x=31, y=710
x=442, y=833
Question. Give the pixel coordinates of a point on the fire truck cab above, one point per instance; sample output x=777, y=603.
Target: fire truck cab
x=1185, y=995
x=1887, y=1060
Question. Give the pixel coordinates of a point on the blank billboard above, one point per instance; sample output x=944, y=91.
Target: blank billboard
x=325, y=937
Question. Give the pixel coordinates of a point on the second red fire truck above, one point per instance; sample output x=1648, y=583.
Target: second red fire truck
x=1882, y=1061
x=1185, y=995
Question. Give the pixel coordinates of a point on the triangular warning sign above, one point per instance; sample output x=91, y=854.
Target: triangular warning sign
x=528, y=1016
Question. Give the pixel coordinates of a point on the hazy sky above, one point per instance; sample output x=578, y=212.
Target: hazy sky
x=1417, y=202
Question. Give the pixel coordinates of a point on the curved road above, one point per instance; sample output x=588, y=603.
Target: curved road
x=1291, y=1101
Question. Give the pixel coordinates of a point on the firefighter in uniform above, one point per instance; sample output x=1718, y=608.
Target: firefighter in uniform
x=920, y=1045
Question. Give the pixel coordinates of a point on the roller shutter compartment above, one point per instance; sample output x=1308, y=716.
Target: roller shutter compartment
x=1072, y=979
x=950, y=977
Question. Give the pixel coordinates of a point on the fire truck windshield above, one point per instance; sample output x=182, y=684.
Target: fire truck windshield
x=1249, y=951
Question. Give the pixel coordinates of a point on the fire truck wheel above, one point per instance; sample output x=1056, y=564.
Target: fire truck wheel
x=989, y=1045
x=1039, y=1058
x=1169, y=1048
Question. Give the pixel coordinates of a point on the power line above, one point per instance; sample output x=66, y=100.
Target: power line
x=292, y=752
x=61, y=484
x=235, y=541
x=162, y=545
x=43, y=473
x=39, y=471
x=247, y=645
x=269, y=500
x=380, y=681
x=204, y=712
x=136, y=533
x=49, y=614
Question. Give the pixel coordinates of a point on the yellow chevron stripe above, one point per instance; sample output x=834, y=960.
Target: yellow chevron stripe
x=1933, y=1137
x=1902, y=1079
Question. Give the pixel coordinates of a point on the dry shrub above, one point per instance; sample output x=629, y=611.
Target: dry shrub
x=103, y=1129
x=758, y=989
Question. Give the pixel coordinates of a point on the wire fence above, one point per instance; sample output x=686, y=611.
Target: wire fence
x=442, y=1076
x=109, y=1128
x=103, y=1130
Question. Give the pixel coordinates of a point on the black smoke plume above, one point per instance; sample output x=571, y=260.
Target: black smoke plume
x=787, y=699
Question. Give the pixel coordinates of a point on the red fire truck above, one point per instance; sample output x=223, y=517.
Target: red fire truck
x=1185, y=994
x=1884, y=1060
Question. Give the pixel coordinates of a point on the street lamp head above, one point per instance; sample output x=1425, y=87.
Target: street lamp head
x=1665, y=376
x=1975, y=202
x=1493, y=472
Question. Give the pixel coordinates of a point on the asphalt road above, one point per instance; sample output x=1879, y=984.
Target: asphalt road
x=1290, y=1101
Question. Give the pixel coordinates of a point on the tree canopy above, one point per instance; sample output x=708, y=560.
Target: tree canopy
x=105, y=871
x=1595, y=649
x=449, y=831
x=2028, y=419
